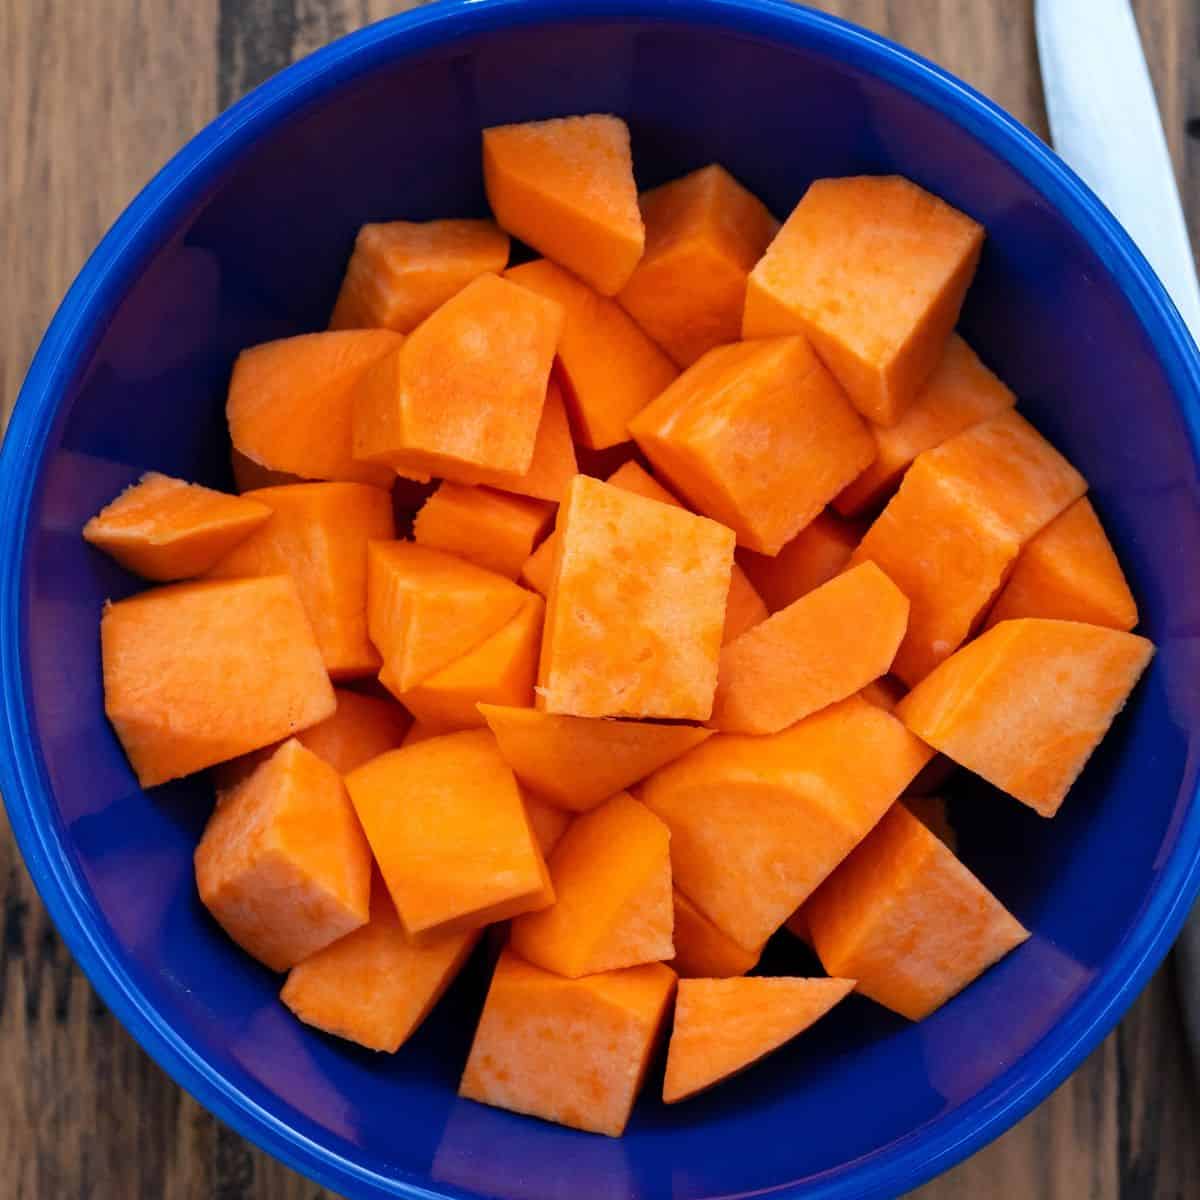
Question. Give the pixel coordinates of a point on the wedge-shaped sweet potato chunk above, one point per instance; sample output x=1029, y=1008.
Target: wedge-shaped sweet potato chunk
x=758, y=436
x=907, y=920
x=196, y=673
x=577, y=762
x=166, y=529
x=547, y=822
x=612, y=885
x=283, y=865
x=960, y=393
x=814, y=556
x=574, y=1051
x=611, y=368
x=466, y=389
x=723, y=1026
x=401, y=271
x=426, y=608
x=874, y=270
x=704, y=233
x=820, y=649
x=449, y=832
x=636, y=611
x=1069, y=572
x=374, y=986
x=500, y=670
x=494, y=530
x=318, y=535
x=1026, y=703
x=758, y=822
x=702, y=951
x=291, y=403
x=565, y=187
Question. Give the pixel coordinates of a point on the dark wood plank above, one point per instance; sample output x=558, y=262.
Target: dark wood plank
x=83, y=1112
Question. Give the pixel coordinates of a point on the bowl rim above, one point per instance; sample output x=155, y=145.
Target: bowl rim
x=140, y=232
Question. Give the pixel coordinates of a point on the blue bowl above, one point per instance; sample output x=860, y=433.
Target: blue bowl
x=243, y=238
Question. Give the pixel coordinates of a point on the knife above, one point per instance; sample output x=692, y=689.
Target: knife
x=1104, y=121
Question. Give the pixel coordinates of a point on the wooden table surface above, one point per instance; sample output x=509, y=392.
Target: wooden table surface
x=94, y=96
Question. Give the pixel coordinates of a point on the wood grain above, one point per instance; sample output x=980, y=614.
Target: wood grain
x=94, y=96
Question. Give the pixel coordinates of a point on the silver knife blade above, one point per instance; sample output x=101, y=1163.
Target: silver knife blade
x=1104, y=121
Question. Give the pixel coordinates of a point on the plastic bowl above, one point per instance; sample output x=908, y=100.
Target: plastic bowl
x=243, y=238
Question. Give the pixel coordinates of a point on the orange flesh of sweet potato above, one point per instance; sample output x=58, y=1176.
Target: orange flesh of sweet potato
x=635, y=613
x=947, y=554
x=820, y=649
x=884, y=692
x=723, y=1026
x=547, y=822
x=374, y=986
x=758, y=822
x=466, y=388
x=165, y=529
x=1026, y=703
x=449, y=832
x=565, y=187
x=611, y=873
x=492, y=529
x=196, y=673
x=291, y=403
x=578, y=762
x=283, y=865
x=874, y=271
x=907, y=920
x=401, y=271
x=960, y=393
x=574, y=1051
x=702, y=951
x=758, y=436
x=318, y=535
x=425, y=608
x=1069, y=572
x=704, y=233
x=744, y=609
x=814, y=556
x=500, y=670
x=612, y=370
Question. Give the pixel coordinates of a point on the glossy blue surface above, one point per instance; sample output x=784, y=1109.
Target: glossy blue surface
x=243, y=238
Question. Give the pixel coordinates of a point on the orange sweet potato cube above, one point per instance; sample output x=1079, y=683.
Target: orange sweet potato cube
x=960, y=393
x=283, y=865
x=907, y=920
x=400, y=271
x=820, y=649
x=574, y=1051
x=165, y=529
x=814, y=556
x=636, y=610
x=426, y=608
x=197, y=673
x=450, y=834
x=611, y=873
x=291, y=404
x=565, y=187
x=318, y=535
x=466, y=389
x=702, y=951
x=704, y=233
x=374, y=986
x=723, y=1026
x=757, y=436
x=1026, y=703
x=611, y=369
x=495, y=530
x=874, y=270
x=500, y=670
x=758, y=822
x=578, y=762
x=1069, y=572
